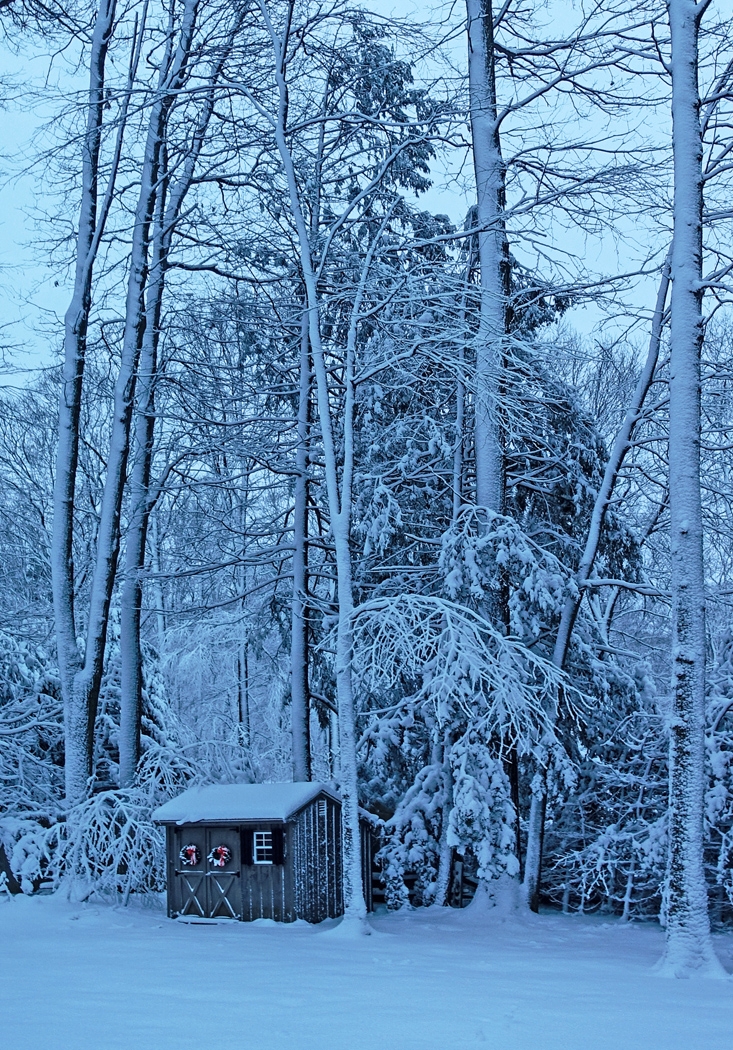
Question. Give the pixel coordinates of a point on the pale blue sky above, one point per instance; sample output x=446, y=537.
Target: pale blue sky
x=30, y=300
x=34, y=294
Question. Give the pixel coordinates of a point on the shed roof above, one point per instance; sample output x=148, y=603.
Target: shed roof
x=217, y=803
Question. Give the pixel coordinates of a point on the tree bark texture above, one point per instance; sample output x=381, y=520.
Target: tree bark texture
x=131, y=659
x=339, y=501
x=76, y=322
x=88, y=679
x=81, y=678
x=168, y=200
x=490, y=176
x=688, y=944
x=299, y=692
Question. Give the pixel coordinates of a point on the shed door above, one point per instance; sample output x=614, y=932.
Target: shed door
x=223, y=873
x=207, y=870
x=188, y=886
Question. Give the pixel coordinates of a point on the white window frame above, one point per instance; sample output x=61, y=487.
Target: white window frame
x=263, y=846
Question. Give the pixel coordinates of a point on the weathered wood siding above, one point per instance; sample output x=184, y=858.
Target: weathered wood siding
x=266, y=889
x=204, y=890
x=315, y=835
x=306, y=882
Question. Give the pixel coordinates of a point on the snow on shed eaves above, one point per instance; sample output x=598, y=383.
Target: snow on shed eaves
x=239, y=802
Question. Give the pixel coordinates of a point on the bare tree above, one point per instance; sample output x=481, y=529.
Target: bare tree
x=493, y=253
x=299, y=678
x=689, y=948
x=175, y=171
x=92, y=219
x=81, y=676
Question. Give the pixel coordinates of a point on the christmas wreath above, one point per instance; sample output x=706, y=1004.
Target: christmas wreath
x=220, y=856
x=190, y=855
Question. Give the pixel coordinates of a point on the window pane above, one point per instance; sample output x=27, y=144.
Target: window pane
x=263, y=847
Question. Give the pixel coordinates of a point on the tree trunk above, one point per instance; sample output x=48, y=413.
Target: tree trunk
x=441, y=756
x=131, y=662
x=78, y=757
x=689, y=948
x=339, y=503
x=622, y=444
x=299, y=692
x=142, y=332
x=458, y=450
x=535, y=839
x=88, y=679
x=489, y=173
x=157, y=587
x=493, y=251
x=243, y=688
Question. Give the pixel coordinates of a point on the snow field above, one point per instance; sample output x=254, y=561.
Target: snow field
x=78, y=976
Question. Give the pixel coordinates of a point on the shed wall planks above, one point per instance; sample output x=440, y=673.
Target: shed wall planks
x=308, y=884
x=317, y=861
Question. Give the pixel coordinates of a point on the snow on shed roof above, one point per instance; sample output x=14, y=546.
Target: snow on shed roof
x=238, y=802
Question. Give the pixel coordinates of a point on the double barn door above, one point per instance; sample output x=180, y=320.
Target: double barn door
x=202, y=885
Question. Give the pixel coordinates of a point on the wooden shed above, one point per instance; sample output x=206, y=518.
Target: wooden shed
x=257, y=851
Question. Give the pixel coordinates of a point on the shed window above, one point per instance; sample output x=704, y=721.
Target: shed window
x=263, y=847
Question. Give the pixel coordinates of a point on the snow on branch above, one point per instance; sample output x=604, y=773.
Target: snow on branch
x=462, y=661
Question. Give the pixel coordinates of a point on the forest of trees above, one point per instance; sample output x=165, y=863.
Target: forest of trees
x=322, y=483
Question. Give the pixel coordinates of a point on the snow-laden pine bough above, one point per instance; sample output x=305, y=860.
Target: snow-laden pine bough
x=107, y=845
x=462, y=661
x=486, y=695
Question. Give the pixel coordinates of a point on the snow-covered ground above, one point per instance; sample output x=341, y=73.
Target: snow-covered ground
x=74, y=977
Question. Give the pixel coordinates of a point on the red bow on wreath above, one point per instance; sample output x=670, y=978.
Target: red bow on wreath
x=220, y=856
x=190, y=855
